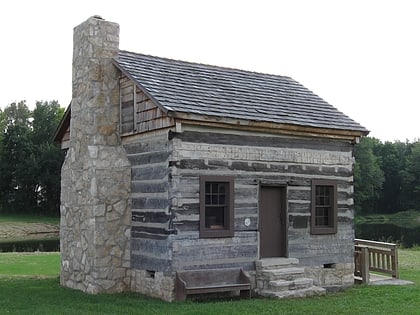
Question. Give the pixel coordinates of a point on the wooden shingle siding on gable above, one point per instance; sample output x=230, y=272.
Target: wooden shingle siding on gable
x=127, y=107
x=138, y=112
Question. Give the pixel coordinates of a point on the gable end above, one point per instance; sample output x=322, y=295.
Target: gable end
x=139, y=113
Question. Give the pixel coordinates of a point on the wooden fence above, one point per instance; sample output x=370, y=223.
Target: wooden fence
x=375, y=256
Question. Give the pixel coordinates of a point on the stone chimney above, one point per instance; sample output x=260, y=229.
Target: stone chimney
x=96, y=175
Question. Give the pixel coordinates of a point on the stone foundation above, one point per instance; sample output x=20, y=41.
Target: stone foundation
x=154, y=284
x=340, y=275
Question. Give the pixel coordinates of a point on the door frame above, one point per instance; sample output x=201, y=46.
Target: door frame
x=284, y=214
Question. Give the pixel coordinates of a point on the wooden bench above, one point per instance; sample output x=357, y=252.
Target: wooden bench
x=210, y=281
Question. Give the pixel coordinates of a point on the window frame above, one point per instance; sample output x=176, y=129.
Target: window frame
x=228, y=230
x=332, y=229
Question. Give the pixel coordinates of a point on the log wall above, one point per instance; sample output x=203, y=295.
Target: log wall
x=166, y=167
x=150, y=246
x=252, y=160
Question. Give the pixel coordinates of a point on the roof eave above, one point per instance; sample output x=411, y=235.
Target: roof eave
x=272, y=127
x=63, y=125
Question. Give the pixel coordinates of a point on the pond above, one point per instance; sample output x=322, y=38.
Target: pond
x=399, y=231
x=45, y=245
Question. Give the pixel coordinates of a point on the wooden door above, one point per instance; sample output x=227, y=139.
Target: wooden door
x=273, y=221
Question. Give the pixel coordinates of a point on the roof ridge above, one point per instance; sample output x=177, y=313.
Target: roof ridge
x=223, y=68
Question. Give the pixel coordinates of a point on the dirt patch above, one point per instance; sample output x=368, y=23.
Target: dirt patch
x=20, y=231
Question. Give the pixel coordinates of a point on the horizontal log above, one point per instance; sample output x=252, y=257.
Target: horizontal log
x=148, y=158
x=215, y=251
x=149, y=203
x=187, y=226
x=151, y=217
x=240, y=223
x=139, y=231
x=154, y=172
x=203, y=164
x=246, y=208
x=249, y=140
x=300, y=156
x=185, y=209
x=158, y=144
x=154, y=247
x=143, y=262
x=148, y=187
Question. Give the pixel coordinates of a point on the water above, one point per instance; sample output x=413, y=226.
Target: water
x=401, y=232
x=46, y=245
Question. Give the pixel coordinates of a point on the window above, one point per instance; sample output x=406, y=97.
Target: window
x=324, y=207
x=216, y=206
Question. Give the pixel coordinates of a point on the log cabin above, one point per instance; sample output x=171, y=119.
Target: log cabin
x=175, y=167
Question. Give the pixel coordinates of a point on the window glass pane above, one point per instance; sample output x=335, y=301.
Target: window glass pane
x=323, y=206
x=323, y=216
x=222, y=200
x=214, y=188
x=215, y=205
x=222, y=188
x=215, y=217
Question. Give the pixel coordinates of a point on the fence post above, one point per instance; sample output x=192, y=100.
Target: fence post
x=365, y=264
x=394, y=258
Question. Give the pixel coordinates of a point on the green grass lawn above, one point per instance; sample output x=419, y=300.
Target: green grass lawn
x=22, y=295
x=16, y=265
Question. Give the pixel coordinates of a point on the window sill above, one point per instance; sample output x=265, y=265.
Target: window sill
x=323, y=231
x=216, y=233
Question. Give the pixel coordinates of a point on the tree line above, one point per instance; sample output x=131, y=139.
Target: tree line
x=386, y=176
x=30, y=162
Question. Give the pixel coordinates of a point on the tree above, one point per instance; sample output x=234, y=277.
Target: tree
x=393, y=156
x=411, y=178
x=47, y=155
x=2, y=131
x=368, y=176
x=29, y=160
x=17, y=188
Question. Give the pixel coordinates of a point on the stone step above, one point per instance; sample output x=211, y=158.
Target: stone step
x=289, y=273
x=296, y=284
x=275, y=263
x=311, y=291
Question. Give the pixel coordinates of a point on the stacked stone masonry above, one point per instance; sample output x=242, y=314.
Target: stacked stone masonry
x=95, y=192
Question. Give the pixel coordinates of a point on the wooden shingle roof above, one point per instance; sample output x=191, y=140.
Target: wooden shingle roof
x=185, y=87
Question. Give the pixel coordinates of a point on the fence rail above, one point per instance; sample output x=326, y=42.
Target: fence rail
x=375, y=256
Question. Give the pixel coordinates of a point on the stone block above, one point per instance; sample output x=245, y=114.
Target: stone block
x=99, y=210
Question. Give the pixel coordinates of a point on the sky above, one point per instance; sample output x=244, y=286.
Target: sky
x=361, y=56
